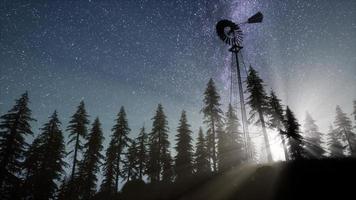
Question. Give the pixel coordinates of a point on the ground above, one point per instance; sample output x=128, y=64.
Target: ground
x=305, y=179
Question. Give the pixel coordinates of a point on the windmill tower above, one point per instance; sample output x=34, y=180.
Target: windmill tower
x=231, y=34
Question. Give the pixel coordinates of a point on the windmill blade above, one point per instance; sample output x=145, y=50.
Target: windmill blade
x=257, y=18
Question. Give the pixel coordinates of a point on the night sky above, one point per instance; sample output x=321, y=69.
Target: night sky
x=141, y=53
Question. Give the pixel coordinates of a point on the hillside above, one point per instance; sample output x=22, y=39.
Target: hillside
x=317, y=179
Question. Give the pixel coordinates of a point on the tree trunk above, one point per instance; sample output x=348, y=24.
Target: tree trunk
x=268, y=148
x=118, y=166
x=286, y=156
x=283, y=139
x=214, y=149
x=140, y=171
x=158, y=171
x=117, y=174
x=75, y=156
x=349, y=142
x=128, y=174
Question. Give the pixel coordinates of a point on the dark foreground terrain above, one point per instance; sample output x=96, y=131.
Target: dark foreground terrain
x=307, y=179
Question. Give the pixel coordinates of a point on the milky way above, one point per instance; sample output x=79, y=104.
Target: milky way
x=141, y=53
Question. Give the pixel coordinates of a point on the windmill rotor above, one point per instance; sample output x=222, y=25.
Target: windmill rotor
x=229, y=32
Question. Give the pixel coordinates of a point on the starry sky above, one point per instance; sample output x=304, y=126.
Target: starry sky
x=144, y=52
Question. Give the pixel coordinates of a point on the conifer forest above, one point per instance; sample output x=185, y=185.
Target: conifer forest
x=177, y=99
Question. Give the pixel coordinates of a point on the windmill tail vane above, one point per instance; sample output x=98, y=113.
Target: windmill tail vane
x=256, y=18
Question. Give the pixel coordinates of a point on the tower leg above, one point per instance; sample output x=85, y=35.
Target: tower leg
x=235, y=50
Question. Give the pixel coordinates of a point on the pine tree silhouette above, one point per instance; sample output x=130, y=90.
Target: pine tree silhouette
x=201, y=161
x=313, y=138
x=167, y=165
x=159, y=160
x=354, y=113
x=77, y=132
x=343, y=126
x=107, y=186
x=31, y=166
x=275, y=113
x=113, y=158
x=142, y=153
x=90, y=165
x=336, y=149
x=291, y=125
x=31, y=163
x=258, y=101
x=233, y=149
x=14, y=127
x=222, y=148
x=130, y=169
x=49, y=148
x=184, y=148
x=120, y=131
x=62, y=192
x=212, y=118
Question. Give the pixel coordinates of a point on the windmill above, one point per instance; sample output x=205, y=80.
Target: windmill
x=231, y=33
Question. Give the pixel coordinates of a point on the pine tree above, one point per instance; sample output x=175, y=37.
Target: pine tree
x=253, y=150
x=184, y=148
x=258, y=101
x=343, y=126
x=291, y=125
x=130, y=169
x=120, y=134
x=77, y=132
x=336, y=149
x=90, y=165
x=212, y=118
x=202, y=165
x=69, y=190
x=222, y=148
x=275, y=113
x=234, y=141
x=62, y=192
x=159, y=161
x=354, y=113
x=30, y=166
x=154, y=162
x=41, y=179
x=167, y=165
x=313, y=138
x=14, y=127
x=211, y=147
x=119, y=141
x=142, y=152
x=32, y=158
x=108, y=184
